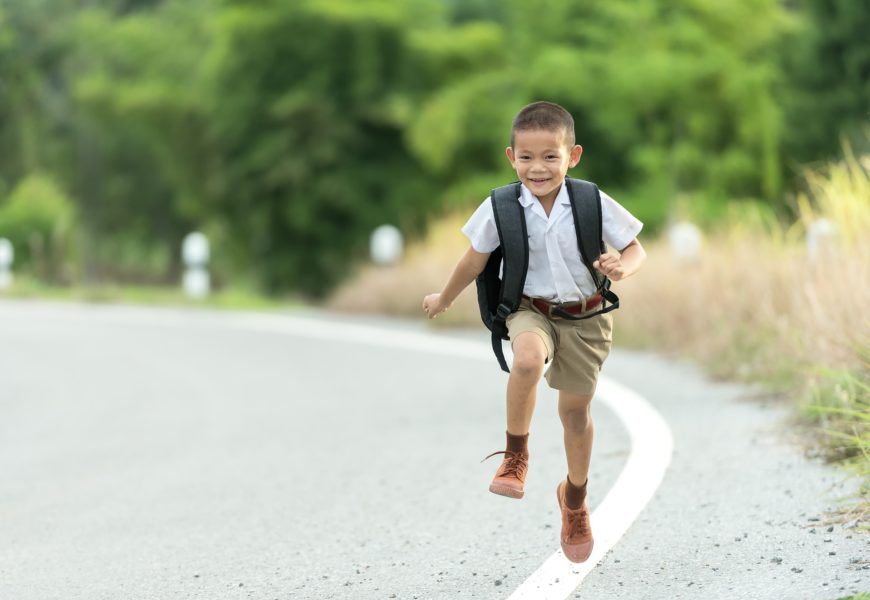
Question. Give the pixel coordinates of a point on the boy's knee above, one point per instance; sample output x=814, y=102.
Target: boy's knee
x=576, y=415
x=530, y=355
x=577, y=420
x=528, y=363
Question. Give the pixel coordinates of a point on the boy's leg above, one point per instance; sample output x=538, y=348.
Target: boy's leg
x=575, y=413
x=576, y=534
x=583, y=349
x=530, y=354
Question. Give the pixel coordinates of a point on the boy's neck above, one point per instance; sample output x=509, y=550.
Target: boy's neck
x=547, y=205
x=547, y=202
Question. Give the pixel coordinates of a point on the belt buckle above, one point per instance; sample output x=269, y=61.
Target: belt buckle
x=564, y=306
x=550, y=308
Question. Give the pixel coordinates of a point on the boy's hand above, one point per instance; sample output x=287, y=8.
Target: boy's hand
x=433, y=306
x=610, y=264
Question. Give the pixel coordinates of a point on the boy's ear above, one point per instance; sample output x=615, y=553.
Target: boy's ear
x=574, y=155
x=510, y=154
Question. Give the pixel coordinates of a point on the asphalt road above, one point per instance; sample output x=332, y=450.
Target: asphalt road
x=170, y=454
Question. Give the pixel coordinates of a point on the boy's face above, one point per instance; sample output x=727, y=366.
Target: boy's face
x=542, y=159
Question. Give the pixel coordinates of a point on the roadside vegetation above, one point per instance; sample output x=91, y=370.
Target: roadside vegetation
x=230, y=298
x=757, y=305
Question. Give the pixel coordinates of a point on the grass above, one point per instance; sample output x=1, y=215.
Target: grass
x=231, y=298
x=755, y=307
x=840, y=409
x=398, y=290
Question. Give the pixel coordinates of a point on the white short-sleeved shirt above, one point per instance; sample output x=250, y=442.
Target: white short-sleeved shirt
x=556, y=270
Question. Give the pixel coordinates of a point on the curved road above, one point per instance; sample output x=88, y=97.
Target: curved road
x=156, y=453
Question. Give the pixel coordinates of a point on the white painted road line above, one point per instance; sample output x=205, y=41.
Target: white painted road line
x=557, y=578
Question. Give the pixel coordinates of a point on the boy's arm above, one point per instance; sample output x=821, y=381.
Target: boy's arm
x=467, y=269
x=621, y=265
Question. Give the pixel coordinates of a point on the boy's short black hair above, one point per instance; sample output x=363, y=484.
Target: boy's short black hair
x=544, y=115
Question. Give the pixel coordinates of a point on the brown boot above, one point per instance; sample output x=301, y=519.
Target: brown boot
x=576, y=536
x=511, y=475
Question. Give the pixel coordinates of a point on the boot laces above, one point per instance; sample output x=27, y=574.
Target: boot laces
x=514, y=465
x=578, y=521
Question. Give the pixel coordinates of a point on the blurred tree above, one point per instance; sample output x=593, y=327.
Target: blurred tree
x=128, y=6
x=828, y=63
x=464, y=123
x=34, y=108
x=144, y=156
x=38, y=218
x=461, y=11
x=309, y=112
x=668, y=98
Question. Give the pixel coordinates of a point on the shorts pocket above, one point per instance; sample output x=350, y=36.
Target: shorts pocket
x=596, y=329
x=596, y=336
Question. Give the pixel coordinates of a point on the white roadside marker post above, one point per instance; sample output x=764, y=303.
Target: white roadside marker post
x=823, y=239
x=7, y=257
x=685, y=242
x=386, y=245
x=195, y=254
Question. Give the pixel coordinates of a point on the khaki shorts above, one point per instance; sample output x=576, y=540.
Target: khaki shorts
x=575, y=349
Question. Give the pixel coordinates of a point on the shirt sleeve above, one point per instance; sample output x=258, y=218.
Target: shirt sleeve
x=618, y=226
x=481, y=230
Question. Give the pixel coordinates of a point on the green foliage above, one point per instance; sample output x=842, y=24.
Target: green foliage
x=33, y=43
x=842, y=407
x=680, y=100
x=289, y=130
x=310, y=120
x=840, y=410
x=143, y=138
x=39, y=220
x=827, y=61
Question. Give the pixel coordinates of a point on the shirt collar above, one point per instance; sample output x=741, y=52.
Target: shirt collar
x=527, y=198
x=563, y=194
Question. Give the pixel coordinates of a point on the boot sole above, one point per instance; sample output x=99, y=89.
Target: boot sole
x=508, y=492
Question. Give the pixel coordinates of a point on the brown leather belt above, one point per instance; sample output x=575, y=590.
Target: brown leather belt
x=572, y=308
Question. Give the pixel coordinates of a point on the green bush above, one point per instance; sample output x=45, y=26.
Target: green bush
x=39, y=219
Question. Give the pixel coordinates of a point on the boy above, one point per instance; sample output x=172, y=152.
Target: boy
x=541, y=152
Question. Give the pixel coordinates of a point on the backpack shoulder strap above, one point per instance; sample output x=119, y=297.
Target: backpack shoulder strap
x=510, y=221
x=586, y=208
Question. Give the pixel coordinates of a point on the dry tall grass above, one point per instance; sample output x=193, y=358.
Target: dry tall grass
x=425, y=268
x=756, y=304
